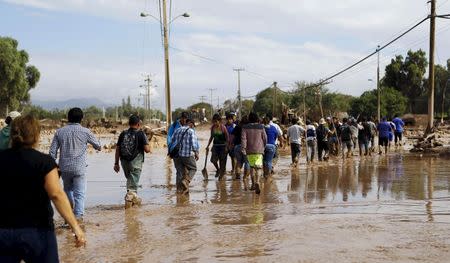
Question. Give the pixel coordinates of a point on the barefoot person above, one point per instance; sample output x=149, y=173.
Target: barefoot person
x=130, y=150
x=29, y=181
x=71, y=141
x=294, y=138
x=254, y=140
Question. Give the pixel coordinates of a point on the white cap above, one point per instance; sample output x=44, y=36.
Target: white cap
x=13, y=114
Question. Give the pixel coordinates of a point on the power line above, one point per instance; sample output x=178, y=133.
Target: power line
x=370, y=55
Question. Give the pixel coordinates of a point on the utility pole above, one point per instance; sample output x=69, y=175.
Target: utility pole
x=319, y=92
x=431, y=68
x=166, y=64
x=148, y=87
x=212, y=109
x=274, y=103
x=238, y=70
x=202, y=99
x=378, y=86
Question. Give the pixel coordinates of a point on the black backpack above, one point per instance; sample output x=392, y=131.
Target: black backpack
x=129, y=145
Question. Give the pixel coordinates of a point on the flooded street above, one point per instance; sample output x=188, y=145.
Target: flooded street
x=383, y=208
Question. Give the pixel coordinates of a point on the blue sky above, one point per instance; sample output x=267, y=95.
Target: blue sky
x=102, y=48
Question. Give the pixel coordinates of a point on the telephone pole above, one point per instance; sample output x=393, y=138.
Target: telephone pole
x=238, y=70
x=166, y=66
x=148, y=88
x=202, y=99
x=378, y=86
x=431, y=68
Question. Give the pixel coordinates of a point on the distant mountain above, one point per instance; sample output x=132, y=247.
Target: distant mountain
x=81, y=103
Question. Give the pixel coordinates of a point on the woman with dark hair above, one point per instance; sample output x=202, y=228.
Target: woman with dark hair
x=219, y=137
x=29, y=181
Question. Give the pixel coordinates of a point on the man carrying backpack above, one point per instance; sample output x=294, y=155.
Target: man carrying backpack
x=130, y=150
x=186, y=156
x=346, y=138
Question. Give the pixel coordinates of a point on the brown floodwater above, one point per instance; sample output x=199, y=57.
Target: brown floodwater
x=383, y=208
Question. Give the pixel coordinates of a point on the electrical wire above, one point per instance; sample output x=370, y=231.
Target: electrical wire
x=322, y=82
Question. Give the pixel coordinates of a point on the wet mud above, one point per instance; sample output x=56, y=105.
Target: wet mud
x=392, y=208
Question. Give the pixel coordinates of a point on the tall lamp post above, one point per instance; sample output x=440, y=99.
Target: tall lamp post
x=165, y=26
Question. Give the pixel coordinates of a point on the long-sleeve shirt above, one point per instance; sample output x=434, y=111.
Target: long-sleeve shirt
x=254, y=138
x=188, y=141
x=71, y=141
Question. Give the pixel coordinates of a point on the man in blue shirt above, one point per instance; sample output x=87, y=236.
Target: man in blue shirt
x=271, y=147
x=72, y=141
x=399, y=124
x=230, y=125
x=176, y=125
x=383, y=135
x=185, y=163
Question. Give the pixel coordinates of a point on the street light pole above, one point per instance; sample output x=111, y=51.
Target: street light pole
x=431, y=68
x=166, y=66
x=378, y=86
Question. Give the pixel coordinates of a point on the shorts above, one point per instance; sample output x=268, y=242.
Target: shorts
x=391, y=136
x=255, y=160
x=383, y=141
x=218, y=153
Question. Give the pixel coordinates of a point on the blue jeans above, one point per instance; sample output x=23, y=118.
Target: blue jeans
x=269, y=154
x=75, y=188
x=28, y=244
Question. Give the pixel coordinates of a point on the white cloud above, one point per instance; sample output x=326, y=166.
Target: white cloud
x=284, y=41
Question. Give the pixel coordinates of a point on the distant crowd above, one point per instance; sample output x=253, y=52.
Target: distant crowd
x=252, y=144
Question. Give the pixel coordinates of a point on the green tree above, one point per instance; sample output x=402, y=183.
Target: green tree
x=392, y=103
x=16, y=77
x=407, y=76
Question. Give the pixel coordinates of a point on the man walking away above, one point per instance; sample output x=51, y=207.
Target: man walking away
x=363, y=137
x=346, y=138
x=322, y=133
x=241, y=161
x=373, y=133
x=4, y=133
x=399, y=124
x=384, y=128
x=294, y=137
x=254, y=140
x=270, y=149
x=185, y=162
x=230, y=125
x=71, y=142
x=310, y=141
x=130, y=150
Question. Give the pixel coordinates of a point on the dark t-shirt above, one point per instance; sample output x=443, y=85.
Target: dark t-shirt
x=25, y=203
x=237, y=131
x=142, y=139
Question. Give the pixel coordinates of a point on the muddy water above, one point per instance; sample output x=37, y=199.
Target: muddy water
x=384, y=208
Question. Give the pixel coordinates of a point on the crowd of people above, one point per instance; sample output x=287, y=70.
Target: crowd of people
x=252, y=143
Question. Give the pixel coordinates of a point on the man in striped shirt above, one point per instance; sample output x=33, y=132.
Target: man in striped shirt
x=185, y=163
x=71, y=141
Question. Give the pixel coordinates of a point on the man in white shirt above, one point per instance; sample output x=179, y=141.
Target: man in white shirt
x=294, y=136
